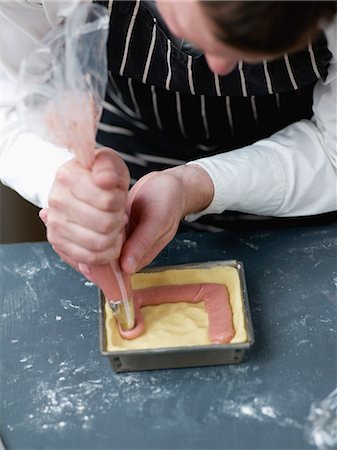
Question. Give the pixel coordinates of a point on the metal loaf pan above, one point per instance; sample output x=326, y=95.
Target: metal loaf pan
x=175, y=357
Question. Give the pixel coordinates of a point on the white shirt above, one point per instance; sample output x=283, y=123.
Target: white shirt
x=291, y=173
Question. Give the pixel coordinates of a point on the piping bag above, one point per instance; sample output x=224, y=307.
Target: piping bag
x=61, y=89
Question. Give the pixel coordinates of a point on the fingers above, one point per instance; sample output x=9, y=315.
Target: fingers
x=85, y=245
x=61, y=217
x=67, y=259
x=155, y=206
x=103, y=200
x=71, y=179
x=144, y=244
x=86, y=215
x=82, y=255
x=84, y=237
x=152, y=231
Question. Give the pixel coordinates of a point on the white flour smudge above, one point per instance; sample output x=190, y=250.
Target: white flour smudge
x=321, y=426
x=268, y=411
x=310, y=251
x=25, y=358
x=53, y=402
x=249, y=244
x=259, y=409
x=179, y=244
x=79, y=312
x=68, y=304
x=190, y=244
x=80, y=396
x=30, y=269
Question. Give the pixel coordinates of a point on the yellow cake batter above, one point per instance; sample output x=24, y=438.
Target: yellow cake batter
x=179, y=324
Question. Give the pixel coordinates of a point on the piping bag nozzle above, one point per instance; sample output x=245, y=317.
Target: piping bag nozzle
x=125, y=319
x=123, y=309
x=116, y=286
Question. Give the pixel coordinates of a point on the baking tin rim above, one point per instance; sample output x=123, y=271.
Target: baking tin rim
x=183, y=349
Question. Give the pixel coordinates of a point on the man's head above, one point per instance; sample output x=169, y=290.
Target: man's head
x=229, y=31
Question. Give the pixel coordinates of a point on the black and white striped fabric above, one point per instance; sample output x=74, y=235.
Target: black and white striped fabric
x=164, y=107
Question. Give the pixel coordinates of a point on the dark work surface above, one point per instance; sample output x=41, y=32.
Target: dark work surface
x=58, y=392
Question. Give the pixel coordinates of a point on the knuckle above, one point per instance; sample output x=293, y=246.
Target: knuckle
x=54, y=202
x=94, y=258
x=106, y=225
x=114, y=201
x=54, y=225
x=63, y=175
x=107, y=203
x=99, y=244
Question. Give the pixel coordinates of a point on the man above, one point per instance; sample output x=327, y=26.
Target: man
x=191, y=81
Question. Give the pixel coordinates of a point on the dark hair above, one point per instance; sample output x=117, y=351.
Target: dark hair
x=267, y=26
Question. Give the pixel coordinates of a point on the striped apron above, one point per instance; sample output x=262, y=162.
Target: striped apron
x=164, y=107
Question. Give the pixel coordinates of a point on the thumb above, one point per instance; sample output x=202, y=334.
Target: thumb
x=142, y=242
x=109, y=171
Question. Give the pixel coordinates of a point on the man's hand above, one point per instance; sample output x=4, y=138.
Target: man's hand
x=87, y=210
x=156, y=204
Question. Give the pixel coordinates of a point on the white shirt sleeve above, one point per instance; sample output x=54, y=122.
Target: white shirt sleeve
x=291, y=173
x=28, y=164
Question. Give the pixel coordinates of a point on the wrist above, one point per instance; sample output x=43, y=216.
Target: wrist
x=196, y=186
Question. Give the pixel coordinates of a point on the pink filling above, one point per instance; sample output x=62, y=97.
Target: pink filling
x=216, y=299
x=104, y=277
